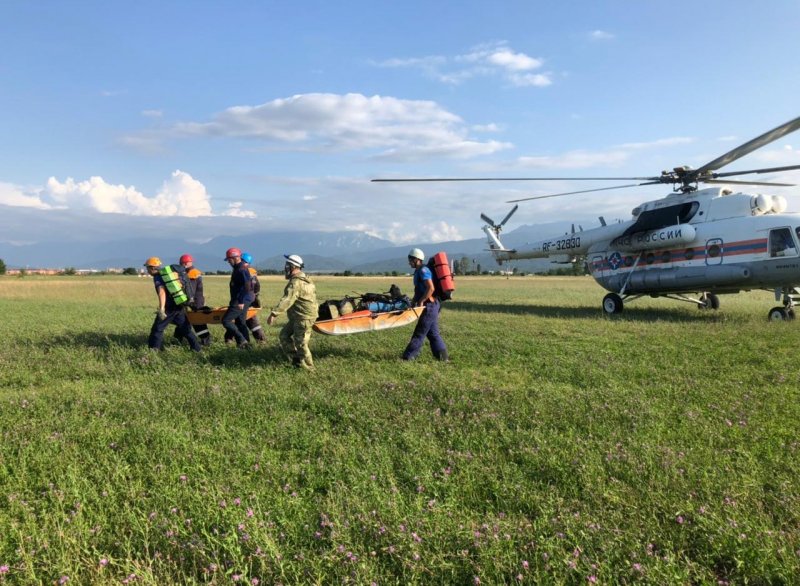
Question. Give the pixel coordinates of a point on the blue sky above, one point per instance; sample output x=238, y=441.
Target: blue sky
x=275, y=115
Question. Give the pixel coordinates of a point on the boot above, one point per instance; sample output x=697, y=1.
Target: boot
x=443, y=357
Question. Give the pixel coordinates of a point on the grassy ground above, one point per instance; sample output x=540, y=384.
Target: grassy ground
x=558, y=446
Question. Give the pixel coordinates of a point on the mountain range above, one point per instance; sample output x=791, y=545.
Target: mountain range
x=321, y=251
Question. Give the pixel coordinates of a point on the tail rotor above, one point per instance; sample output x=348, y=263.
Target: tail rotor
x=498, y=227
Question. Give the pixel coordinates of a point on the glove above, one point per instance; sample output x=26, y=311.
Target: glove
x=162, y=315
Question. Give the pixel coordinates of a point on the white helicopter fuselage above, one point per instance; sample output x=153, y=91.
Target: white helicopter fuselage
x=706, y=241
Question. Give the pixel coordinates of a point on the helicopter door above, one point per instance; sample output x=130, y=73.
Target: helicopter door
x=714, y=251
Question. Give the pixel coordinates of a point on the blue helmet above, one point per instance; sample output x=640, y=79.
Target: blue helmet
x=247, y=257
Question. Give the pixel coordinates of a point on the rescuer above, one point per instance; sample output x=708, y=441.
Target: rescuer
x=299, y=301
x=168, y=310
x=197, y=300
x=253, y=323
x=241, y=288
x=428, y=323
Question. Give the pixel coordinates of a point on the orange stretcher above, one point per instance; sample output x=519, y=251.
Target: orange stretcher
x=213, y=315
x=367, y=321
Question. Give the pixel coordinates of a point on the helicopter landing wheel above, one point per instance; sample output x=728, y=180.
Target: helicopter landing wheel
x=780, y=314
x=612, y=303
x=709, y=301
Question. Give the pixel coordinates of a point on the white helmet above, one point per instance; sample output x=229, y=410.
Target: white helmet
x=416, y=253
x=294, y=260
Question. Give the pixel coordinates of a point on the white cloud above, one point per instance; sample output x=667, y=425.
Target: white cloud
x=575, y=160
x=401, y=129
x=401, y=233
x=441, y=232
x=598, y=35
x=12, y=195
x=490, y=59
x=582, y=159
x=152, y=113
x=486, y=128
x=235, y=211
x=180, y=195
x=455, y=150
x=530, y=79
x=508, y=59
x=423, y=62
x=778, y=157
x=661, y=142
x=147, y=143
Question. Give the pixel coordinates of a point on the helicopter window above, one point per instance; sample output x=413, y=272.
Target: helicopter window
x=714, y=250
x=689, y=253
x=781, y=243
x=649, y=258
x=629, y=259
x=666, y=256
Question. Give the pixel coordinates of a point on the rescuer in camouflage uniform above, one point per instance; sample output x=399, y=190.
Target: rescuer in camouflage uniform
x=299, y=301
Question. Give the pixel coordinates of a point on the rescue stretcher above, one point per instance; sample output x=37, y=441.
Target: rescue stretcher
x=367, y=321
x=213, y=315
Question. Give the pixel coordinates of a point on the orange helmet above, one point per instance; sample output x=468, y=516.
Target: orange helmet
x=153, y=261
x=232, y=253
x=186, y=258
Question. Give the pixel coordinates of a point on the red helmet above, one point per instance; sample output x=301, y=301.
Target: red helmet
x=232, y=252
x=186, y=258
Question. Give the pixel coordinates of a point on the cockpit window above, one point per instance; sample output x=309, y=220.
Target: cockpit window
x=781, y=243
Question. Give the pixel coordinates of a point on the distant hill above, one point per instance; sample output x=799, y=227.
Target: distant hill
x=322, y=251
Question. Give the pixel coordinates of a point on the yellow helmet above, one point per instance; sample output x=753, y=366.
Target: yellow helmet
x=153, y=261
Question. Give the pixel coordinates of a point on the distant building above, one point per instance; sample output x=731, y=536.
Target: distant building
x=38, y=271
x=34, y=271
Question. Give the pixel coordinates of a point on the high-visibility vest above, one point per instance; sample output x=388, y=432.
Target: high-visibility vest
x=172, y=281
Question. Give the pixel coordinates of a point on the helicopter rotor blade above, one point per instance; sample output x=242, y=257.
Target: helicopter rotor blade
x=509, y=214
x=453, y=179
x=768, y=170
x=749, y=147
x=734, y=182
x=582, y=191
x=487, y=219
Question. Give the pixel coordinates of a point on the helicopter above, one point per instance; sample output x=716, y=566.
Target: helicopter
x=691, y=245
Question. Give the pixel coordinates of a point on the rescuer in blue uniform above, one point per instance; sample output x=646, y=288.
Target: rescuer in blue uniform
x=253, y=324
x=168, y=312
x=242, y=296
x=197, y=300
x=428, y=323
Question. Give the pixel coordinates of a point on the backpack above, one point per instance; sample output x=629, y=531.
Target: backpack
x=182, y=275
x=442, y=276
x=177, y=283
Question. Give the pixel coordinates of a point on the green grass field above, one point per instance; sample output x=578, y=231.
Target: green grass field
x=559, y=445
